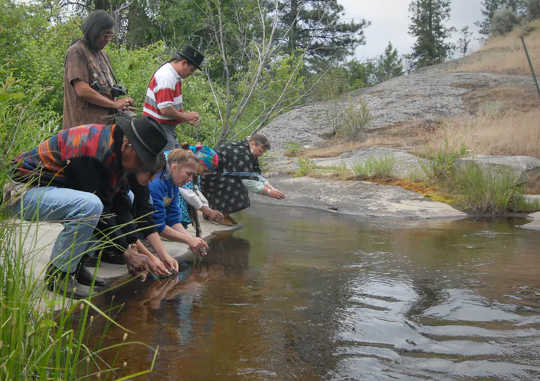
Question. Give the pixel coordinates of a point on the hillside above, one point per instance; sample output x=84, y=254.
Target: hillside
x=486, y=102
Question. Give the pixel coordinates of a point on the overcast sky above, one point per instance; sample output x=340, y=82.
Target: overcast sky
x=390, y=22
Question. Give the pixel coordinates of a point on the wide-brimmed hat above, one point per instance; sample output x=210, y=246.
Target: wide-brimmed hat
x=192, y=55
x=148, y=139
x=207, y=156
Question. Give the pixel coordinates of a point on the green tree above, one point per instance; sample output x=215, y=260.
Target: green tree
x=427, y=26
x=389, y=64
x=318, y=29
x=464, y=41
x=490, y=7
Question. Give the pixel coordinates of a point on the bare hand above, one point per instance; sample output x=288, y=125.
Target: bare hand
x=157, y=266
x=198, y=245
x=192, y=118
x=138, y=263
x=276, y=193
x=124, y=104
x=170, y=263
x=212, y=214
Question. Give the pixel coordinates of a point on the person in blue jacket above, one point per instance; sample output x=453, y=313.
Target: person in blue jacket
x=181, y=166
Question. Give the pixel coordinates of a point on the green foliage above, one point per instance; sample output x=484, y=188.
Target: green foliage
x=503, y=21
x=24, y=123
x=485, y=192
x=441, y=166
x=355, y=120
x=374, y=167
x=427, y=27
x=292, y=149
x=490, y=8
x=317, y=29
x=306, y=167
x=37, y=342
x=389, y=64
x=533, y=9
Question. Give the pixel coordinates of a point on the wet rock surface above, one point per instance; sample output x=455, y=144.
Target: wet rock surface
x=358, y=198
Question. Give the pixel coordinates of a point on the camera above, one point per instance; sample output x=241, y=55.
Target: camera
x=118, y=91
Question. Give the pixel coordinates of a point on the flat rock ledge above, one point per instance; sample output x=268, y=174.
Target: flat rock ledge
x=37, y=240
x=534, y=224
x=358, y=198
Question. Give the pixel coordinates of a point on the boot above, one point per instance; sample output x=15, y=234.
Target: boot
x=64, y=283
x=85, y=276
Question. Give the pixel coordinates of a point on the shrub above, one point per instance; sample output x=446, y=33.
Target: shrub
x=485, y=192
x=533, y=9
x=292, y=149
x=355, y=120
x=441, y=165
x=375, y=167
x=503, y=21
x=305, y=167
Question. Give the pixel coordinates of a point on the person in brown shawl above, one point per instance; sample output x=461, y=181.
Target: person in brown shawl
x=91, y=94
x=238, y=173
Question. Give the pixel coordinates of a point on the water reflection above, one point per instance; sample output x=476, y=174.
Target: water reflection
x=303, y=295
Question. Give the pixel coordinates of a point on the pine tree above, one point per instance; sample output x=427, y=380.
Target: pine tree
x=317, y=28
x=389, y=64
x=488, y=10
x=427, y=26
x=464, y=41
x=489, y=7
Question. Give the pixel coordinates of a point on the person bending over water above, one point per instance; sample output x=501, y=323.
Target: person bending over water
x=181, y=166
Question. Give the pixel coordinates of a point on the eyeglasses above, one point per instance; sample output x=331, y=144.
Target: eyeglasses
x=108, y=35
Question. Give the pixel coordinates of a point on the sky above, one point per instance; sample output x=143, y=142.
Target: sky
x=390, y=22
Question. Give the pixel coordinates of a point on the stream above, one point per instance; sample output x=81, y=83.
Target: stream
x=299, y=294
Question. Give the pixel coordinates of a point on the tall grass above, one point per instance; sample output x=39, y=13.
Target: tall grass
x=478, y=191
x=485, y=192
x=43, y=336
x=381, y=167
x=305, y=167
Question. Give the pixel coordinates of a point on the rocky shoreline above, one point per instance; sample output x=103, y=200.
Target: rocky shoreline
x=429, y=96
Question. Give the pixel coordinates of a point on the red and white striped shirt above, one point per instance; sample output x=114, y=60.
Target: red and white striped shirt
x=164, y=90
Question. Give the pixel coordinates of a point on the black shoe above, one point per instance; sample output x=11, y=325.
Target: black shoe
x=85, y=276
x=107, y=257
x=64, y=283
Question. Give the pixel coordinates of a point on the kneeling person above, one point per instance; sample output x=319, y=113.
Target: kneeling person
x=56, y=191
x=181, y=166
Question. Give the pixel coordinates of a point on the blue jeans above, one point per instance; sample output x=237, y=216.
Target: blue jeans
x=78, y=211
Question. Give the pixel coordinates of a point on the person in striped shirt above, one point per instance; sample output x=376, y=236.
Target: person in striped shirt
x=164, y=99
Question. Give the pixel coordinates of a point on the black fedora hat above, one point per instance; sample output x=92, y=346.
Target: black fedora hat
x=147, y=137
x=192, y=55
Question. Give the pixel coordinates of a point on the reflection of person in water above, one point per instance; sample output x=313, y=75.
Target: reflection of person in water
x=182, y=292
x=232, y=253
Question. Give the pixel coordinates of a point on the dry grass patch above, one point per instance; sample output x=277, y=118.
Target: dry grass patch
x=509, y=133
x=403, y=135
x=505, y=54
x=501, y=99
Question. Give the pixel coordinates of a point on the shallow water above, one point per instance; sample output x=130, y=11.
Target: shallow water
x=299, y=294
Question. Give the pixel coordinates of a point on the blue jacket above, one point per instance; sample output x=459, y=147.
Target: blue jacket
x=165, y=198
